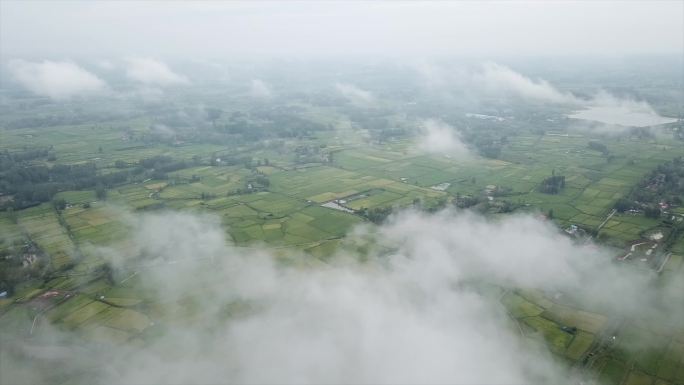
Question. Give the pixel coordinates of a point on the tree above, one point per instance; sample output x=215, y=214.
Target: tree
x=507, y=207
x=214, y=114
x=438, y=204
x=12, y=215
x=262, y=180
x=377, y=215
x=598, y=146
x=622, y=205
x=100, y=192
x=59, y=204
x=466, y=201
x=652, y=212
x=552, y=184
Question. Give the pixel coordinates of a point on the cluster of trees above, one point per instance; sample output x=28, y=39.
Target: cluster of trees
x=257, y=181
x=465, y=201
x=311, y=154
x=30, y=184
x=8, y=158
x=487, y=138
x=388, y=134
x=376, y=215
x=262, y=180
x=273, y=123
x=180, y=126
x=641, y=133
x=163, y=164
x=598, y=146
x=372, y=119
x=375, y=121
x=213, y=114
x=651, y=210
x=52, y=120
x=489, y=147
x=505, y=206
x=33, y=185
x=553, y=184
x=12, y=268
x=207, y=196
x=502, y=191
x=664, y=185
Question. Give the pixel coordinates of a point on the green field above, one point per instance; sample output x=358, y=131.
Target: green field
x=269, y=192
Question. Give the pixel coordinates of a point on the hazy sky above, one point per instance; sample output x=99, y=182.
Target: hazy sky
x=225, y=29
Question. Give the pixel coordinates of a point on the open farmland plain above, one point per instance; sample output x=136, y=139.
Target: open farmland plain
x=302, y=196
x=307, y=192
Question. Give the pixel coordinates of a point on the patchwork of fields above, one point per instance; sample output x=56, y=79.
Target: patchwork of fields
x=288, y=214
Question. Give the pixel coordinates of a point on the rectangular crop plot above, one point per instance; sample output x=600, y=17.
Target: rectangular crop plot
x=333, y=222
x=579, y=345
x=567, y=316
x=128, y=320
x=612, y=373
x=82, y=314
x=557, y=339
x=520, y=307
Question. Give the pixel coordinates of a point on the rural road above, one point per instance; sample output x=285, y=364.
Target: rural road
x=612, y=212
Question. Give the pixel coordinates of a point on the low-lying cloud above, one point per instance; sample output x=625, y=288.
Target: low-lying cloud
x=55, y=79
x=410, y=314
x=437, y=137
x=499, y=79
x=355, y=94
x=153, y=72
x=603, y=106
x=496, y=80
x=617, y=114
x=259, y=89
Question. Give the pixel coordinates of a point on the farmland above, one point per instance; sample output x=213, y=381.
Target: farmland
x=288, y=213
x=380, y=175
x=300, y=193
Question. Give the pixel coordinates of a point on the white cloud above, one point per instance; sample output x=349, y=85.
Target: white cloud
x=410, y=314
x=56, y=79
x=355, y=94
x=106, y=65
x=496, y=78
x=260, y=89
x=616, y=114
x=153, y=72
x=440, y=138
